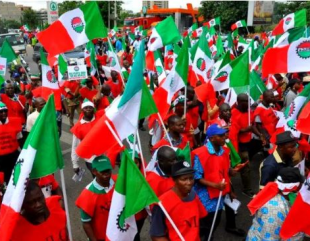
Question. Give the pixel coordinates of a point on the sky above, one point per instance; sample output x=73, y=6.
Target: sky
x=134, y=5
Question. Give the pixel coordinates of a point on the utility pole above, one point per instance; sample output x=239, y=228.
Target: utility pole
x=109, y=15
x=115, y=14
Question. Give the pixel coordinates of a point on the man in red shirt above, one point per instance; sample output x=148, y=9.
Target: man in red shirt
x=88, y=91
x=71, y=92
x=240, y=135
x=15, y=103
x=115, y=83
x=159, y=177
x=106, y=98
x=10, y=133
x=40, y=218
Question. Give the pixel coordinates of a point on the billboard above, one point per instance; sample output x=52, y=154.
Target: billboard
x=52, y=12
x=260, y=12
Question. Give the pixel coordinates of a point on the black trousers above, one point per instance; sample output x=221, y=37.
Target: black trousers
x=206, y=222
x=139, y=227
x=7, y=163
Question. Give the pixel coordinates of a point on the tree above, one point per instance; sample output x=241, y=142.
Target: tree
x=10, y=24
x=229, y=12
x=30, y=18
x=104, y=8
x=282, y=9
x=67, y=6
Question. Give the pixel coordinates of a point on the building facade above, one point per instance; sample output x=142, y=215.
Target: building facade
x=159, y=4
x=9, y=11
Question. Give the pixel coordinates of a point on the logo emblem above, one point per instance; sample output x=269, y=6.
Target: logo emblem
x=76, y=68
x=152, y=40
x=186, y=164
x=112, y=62
x=17, y=170
x=53, y=6
x=201, y=64
x=239, y=25
x=288, y=20
x=50, y=77
x=159, y=70
x=221, y=77
x=121, y=224
x=77, y=24
x=212, y=22
x=210, y=73
x=303, y=50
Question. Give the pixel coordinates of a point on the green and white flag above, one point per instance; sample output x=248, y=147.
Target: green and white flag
x=26, y=28
x=221, y=72
x=92, y=57
x=181, y=68
x=290, y=36
x=132, y=194
x=159, y=67
x=48, y=77
x=202, y=61
x=8, y=52
x=41, y=156
x=242, y=42
x=238, y=24
x=138, y=30
x=113, y=59
x=164, y=33
x=213, y=22
x=62, y=69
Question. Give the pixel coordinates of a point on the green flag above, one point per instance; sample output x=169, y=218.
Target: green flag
x=181, y=68
x=92, y=56
x=132, y=194
x=257, y=86
x=62, y=63
x=43, y=140
x=234, y=156
x=148, y=106
x=184, y=154
x=240, y=74
x=219, y=47
x=7, y=52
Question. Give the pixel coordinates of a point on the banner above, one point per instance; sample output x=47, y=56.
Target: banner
x=52, y=12
x=2, y=66
x=77, y=72
x=260, y=12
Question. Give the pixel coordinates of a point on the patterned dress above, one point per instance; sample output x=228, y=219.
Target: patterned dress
x=268, y=221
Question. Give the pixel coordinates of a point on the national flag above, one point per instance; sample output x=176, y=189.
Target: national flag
x=220, y=77
x=303, y=120
x=238, y=24
x=240, y=74
x=73, y=28
x=292, y=111
x=213, y=22
x=190, y=30
x=7, y=52
x=138, y=30
x=184, y=154
x=62, y=69
x=219, y=47
x=297, y=219
x=154, y=63
x=48, y=77
x=257, y=86
x=164, y=33
x=242, y=42
x=176, y=80
x=291, y=58
x=202, y=61
x=25, y=28
x=290, y=36
x=121, y=117
x=41, y=155
x=197, y=33
x=293, y=20
x=112, y=32
x=92, y=57
x=132, y=194
x=113, y=59
x=234, y=156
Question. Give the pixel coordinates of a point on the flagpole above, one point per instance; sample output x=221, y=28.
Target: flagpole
x=134, y=144
x=216, y=211
x=141, y=153
x=63, y=185
x=249, y=106
x=247, y=30
x=171, y=221
x=113, y=133
x=165, y=130
x=185, y=93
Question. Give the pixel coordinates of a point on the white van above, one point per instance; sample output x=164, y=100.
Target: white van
x=16, y=40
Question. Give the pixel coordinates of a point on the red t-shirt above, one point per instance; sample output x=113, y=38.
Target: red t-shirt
x=87, y=93
x=15, y=107
x=72, y=85
x=116, y=88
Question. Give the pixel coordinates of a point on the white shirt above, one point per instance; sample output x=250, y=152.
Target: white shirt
x=75, y=142
x=31, y=119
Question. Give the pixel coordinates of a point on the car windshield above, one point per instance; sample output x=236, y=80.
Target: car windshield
x=14, y=39
x=128, y=23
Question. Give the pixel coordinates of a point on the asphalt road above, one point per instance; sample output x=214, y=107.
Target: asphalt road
x=243, y=218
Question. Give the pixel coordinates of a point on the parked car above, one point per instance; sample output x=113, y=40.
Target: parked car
x=76, y=54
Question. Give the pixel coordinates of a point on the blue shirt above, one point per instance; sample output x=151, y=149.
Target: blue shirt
x=118, y=45
x=201, y=190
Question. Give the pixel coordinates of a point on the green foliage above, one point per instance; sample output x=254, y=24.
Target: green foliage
x=67, y=6
x=104, y=8
x=282, y=9
x=229, y=12
x=30, y=18
x=6, y=24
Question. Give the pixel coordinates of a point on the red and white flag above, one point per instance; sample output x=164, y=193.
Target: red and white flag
x=297, y=219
